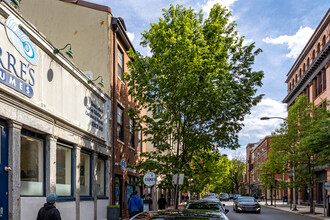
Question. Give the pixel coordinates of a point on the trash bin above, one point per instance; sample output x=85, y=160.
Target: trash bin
x=285, y=199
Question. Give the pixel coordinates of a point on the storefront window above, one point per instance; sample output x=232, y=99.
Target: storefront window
x=32, y=166
x=100, y=177
x=63, y=171
x=85, y=164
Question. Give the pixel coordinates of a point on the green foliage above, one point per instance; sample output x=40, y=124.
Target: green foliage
x=197, y=86
x=301, y=144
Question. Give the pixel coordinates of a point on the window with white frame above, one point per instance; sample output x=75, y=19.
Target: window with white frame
x=131, y=133
x=85, y=164
x=100, y=177
x=120, y=61
x=140, y=141
x=63, y=170
x=120, y=123
x=32, y=166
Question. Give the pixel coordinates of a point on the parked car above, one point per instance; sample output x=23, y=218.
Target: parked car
x=224, y=197
x=207, y=204
x=180, y=214
x=210, y=197
x=236, y=196
x=231, y=196
x=246, y=204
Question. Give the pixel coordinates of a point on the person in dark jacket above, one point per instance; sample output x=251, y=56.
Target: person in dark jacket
x=161, y=202
x=135, y=205
x=49, y=211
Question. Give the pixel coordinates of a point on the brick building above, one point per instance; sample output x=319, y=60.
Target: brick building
x=310, y=75
x=257, y=154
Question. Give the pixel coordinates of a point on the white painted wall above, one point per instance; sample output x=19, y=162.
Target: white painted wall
x=30, y=207
x=86, y=210
x=67, y=209
x=102, y=209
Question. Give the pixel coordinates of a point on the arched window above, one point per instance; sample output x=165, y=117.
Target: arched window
x=304, y=68
x=323, y=41
x=289, y=86
x=318, y=48
x=296, y=78
x=307, y=62
x=313, y=54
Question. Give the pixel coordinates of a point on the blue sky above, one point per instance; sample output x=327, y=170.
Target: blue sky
x=281, y=28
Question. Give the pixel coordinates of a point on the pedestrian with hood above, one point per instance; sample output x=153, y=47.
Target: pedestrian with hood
x=135, y=205
x=49, y=211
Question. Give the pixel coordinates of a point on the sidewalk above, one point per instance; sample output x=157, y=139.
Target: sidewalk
x=302, y=209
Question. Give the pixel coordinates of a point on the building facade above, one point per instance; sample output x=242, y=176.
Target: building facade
x=310, y=75
x=100, y=44
x=257, y=154
x=54, y=128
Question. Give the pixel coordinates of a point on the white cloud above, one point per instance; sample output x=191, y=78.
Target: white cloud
x=209, y=4
x=295, y=42
x=130, y=36
x=254, y=128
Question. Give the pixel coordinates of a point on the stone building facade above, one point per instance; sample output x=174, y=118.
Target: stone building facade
x=54, y=128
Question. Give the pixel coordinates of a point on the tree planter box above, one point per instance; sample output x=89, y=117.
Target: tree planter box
x=113, y=213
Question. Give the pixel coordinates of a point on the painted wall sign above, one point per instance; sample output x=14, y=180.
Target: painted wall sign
x=15, y=83
x=22, y=42
x=96, y=114
x=17, y=75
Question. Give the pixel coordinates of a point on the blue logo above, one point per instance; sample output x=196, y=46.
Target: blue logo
x=22, y=42
x=15, y=83
x=123, y=165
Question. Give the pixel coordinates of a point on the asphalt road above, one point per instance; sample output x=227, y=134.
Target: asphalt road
x=266, y=214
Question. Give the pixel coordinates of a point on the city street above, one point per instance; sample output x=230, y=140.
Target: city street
x=266, y=214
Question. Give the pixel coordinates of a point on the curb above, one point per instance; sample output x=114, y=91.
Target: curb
x=316, y=216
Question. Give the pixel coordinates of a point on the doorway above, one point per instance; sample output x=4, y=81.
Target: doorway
x=3, y=172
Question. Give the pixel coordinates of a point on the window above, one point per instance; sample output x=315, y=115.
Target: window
x=85, y=170
x=120, y=61
x=307, y=62
x=304, y=68
x=319, y=79
x=324, y=79
x=318, y=48
x=120, y=123
x=32, y=166
x=131, y=133
x=323, y=41
x=63, y=170
x=315, y=89
x=313, y=54
x=100, y=177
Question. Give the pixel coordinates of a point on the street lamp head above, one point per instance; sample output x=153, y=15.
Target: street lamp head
x=264, y=118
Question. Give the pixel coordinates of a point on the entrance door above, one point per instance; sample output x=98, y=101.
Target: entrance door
x=118, y=189
x=3, y=173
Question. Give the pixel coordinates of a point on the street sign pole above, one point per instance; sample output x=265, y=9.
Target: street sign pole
x=155, y=196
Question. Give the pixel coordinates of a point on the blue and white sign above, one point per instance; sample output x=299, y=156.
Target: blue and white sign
x=22, y=42
x=15, y=83
x=123, y=165
x=150, y=179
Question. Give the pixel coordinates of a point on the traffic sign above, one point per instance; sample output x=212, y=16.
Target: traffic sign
x=149, y=179
x=327, y=185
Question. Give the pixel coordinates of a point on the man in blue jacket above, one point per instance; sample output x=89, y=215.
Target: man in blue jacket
x=135, y=205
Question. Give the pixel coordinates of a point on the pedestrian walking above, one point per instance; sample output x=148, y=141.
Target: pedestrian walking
x=162, y=202
x=135, y=205
x=49, y=211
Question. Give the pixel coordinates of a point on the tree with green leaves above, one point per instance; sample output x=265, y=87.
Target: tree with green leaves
x=302, y=143
x=198, y=85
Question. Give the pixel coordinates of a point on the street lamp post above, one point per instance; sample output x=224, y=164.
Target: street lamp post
x=293, y=170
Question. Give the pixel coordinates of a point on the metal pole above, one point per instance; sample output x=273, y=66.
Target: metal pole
x=155, y=196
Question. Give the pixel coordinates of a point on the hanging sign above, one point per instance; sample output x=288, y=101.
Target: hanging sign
x=123, y=165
